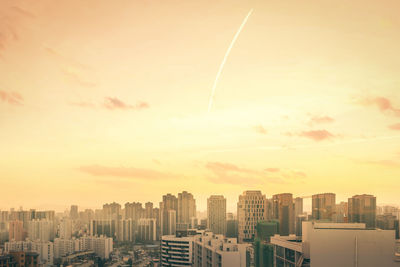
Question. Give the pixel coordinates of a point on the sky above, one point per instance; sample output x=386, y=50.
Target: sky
x=105, y=101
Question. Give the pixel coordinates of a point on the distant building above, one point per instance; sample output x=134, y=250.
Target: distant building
x=43, y=249
x=298, y=206
x=283, y=211
x=168, y=216
x=16, y=231
x=186, y=207
x=41, y=229
x=147, y=230
x=388, y=222
x=232, y=228
x=362, y=209
x=335, y=244
x=73, y=213
x=251, y=209
x=323, y=206
x=216, y=214
x=102, y=246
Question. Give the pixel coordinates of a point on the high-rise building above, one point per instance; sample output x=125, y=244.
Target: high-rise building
x=251, y=209
x=216, y=214
x=177, y=250
x=42, y=230
x=362, y=209
x=323, y=206
x=341, y=213
x=147, y=230
x=283, y=211
x=16, y=231
x=298, y=206
x=73, y=213
x=65, y=228
x=186, y=208
x=112, y=211
x=127, y=230
x=168, y=208
x=148, y=210
x=134, y=211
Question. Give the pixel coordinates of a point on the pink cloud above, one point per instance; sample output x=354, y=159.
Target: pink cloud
x=260, y=129
x=113, y=103
x=317, y=135
x=382, y=103
x=12, y=98
x=395, y=127
x=321, y=119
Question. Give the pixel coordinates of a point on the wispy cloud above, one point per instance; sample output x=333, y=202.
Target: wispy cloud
x=316, y=119
x=395, y=127
x=124, y=172
x=316, y=135
x=12, y=98
x=260, y=129
x=111, y=103
x=227, y=173
x=384, y=104
x=114, y=103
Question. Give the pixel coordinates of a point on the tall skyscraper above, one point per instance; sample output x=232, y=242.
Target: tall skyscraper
x=362, y=209
x=216, y=214
x=283, y=211
x=323, y=206
x=298, y=206
x=341, y=215
x=73, y=213
x=167, y=223
x=112, y=211
x=186, y=208
x=65, y=229
x=251, y=209
x=16, y=231
x=133, y=211
x=148, y=209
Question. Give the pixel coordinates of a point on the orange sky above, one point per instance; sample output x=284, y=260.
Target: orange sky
x=107, y=100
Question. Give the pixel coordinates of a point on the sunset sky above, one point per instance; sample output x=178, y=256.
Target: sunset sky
x=105, y=101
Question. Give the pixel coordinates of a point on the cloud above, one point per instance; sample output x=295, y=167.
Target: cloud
x=227, y=173
x=272, y=169
x=115, y=103
x=395, y=127
x=83, y=104
x=382, y=103
x=111, y=103
x=260, y=129
x=320, y=120
x=12, y=98
x=133, y=173
x=317, y=135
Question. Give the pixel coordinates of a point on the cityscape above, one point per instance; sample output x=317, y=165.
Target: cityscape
x=273, y=231
x=201, y=133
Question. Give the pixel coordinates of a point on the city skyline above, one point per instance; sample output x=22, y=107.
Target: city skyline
x=107, y=101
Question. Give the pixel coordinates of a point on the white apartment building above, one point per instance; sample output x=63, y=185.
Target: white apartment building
x=212, y=250
x=336, y=244
x=63, y=247
x=42, y=230
x=177, y=251
x=102, y=246
x=44, y=249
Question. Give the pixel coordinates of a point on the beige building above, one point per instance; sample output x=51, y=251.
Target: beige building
x=323, y=206
x=251, y=208
x=216, y=214
x=283, y=211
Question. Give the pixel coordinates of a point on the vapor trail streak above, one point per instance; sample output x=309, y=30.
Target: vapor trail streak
x=225, y=57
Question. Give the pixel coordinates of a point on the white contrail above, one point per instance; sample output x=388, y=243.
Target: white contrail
x=225, y=57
